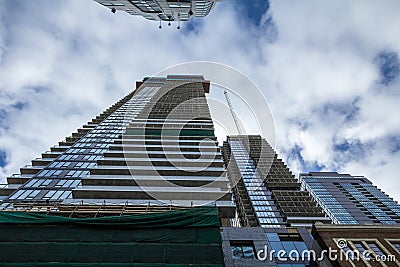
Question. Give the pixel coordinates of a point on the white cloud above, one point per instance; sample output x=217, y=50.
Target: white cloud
x=87, y=58
x=322, y=59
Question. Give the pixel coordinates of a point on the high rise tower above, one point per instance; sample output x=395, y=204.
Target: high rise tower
x=154, y=149
x=141, y=184
x=350, y=199
x=266, y=192
x=274, y=213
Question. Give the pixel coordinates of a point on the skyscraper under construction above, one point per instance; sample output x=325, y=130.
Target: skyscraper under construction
x=149, y=167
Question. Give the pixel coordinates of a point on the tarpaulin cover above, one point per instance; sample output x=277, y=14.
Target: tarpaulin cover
x=188, y=237
x=195, y=217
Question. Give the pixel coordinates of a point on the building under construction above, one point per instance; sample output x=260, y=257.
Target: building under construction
x=145, y=183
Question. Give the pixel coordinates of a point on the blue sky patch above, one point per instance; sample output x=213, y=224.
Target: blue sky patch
x=270, y=28
x=351, y=149
x=3, y=158
x=349, y=109
x=253, y=10
x=389, y=66
x=20, y=105
x=3, y=116
x=353, y=109
x=39, y=89
x=192, y=25
x=394, y=143
x=307, y=166
x=301, y=122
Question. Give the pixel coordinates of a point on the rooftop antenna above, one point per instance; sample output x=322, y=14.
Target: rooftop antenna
x=235, y=119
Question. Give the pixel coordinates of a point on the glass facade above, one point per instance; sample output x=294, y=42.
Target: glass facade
x=350, y=199
x=357, y=192
x=261, y=199
x=56, y=181
x=265, y=190
x=331, y=205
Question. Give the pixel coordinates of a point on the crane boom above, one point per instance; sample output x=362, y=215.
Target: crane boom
x=235, y=119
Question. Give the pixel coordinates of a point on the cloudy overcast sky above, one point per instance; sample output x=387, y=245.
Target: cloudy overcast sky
x=328, y=69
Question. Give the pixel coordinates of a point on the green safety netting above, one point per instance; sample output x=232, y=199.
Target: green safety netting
x=177, y=238
x=196, y=217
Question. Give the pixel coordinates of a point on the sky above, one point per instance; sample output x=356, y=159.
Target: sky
x=328, y=69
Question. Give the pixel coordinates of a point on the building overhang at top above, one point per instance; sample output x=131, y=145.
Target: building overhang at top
x=166, y=10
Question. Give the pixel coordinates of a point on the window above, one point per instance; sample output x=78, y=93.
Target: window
x=375, y=248
x=70, y=173
x=25, y=194
x=33, y=194
x=50, y=173
x=75, y=183
x=57, y=195
x=242, y=250
x=49, y=194
x=361, y=248
x=262, y=208
x=273, y=237
x=38, y=183
x=66, y=194
x=46, y=183
x=350, y=253
x=30, y=183
x=286, y=242
x=60, y=183
x=59, y=164
x=17, y=194
x=396, y=245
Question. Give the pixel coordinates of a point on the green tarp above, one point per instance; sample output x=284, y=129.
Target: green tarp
x=194, y=217
x=177, y=238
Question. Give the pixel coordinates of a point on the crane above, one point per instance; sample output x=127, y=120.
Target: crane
x=235, y=119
